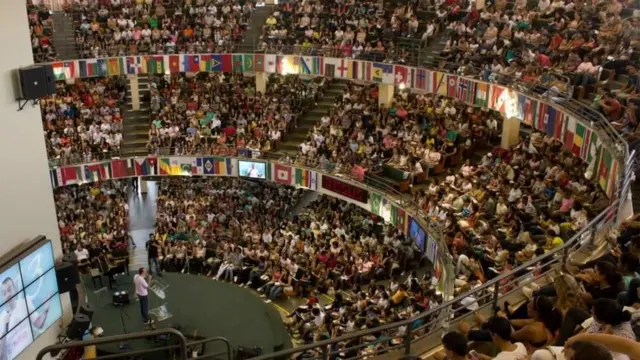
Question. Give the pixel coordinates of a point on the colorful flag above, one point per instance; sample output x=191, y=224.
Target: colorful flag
x=154, y=64
x=313, y=180
x=317, y=68
x=466, y=90
x=282, y=174
x=452, y=81
x=146, y=166
x=174, y=63
x=258, y=60
x=584, y=149
x=164, y=164
x=400, y=76
x=419, y=81
x=133, y=65
x=69, y=175
x=482, y=95
x=442, y=85
x=569, y=132
x=594, y=147
x=226, y=62
x=606, y=161
x=398, y=218
x=342, y=69
x=58, y=70
x=375, y=201
x=70, y=70
x=579, y=139
x=270, y=61
x=237, y=63
x=216, y=62
x=122, y=168
x=97, y=172
x=116, y=67
x=222, y=166
x=205, y=62
x=302, y=178
x=191, y=63
x=248, y=63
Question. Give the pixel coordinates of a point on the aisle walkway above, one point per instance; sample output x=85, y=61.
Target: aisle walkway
x=142, y=218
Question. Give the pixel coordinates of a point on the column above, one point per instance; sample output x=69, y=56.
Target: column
x=26, y=207
x=261, y=82
x=135, y=92
x=510, y=132
x=385, y=94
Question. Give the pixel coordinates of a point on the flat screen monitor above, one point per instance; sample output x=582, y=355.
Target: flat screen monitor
x=37, y=263
x=41, y=290
x=252, y=169
x=10, y=283
x=417, y=233
x=46, y=315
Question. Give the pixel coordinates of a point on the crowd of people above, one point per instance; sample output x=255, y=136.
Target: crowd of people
x=41, y=29
x=93, y=219
x=598, y=298
x=218, y=113
x=122, y=27
x=83, y=119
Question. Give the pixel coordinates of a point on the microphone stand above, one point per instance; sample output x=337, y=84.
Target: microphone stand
x=123, y=345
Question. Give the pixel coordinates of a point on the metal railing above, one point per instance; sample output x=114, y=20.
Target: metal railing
x=421, y=333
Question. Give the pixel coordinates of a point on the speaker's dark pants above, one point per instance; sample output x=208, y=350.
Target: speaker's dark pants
x=144, y=307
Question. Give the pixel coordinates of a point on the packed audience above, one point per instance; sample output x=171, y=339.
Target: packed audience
x=118, y=28
x=218, y=113
x=41, y=30
x=83, y=120
x=598, y=298
x=93, y=219
x=208, y=226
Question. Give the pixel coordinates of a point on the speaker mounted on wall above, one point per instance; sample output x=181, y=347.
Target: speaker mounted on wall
x=33, y=83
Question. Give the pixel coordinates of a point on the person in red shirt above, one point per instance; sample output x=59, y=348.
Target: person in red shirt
x=543, y=59
x=610, y=106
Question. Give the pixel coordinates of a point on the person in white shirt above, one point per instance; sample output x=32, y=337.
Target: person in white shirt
x=141, y=285
x=500, y=329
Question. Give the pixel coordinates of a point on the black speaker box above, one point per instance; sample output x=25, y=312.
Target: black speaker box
x=78, y=327
x=67, y=275
x=36, y=81
x=120, y=298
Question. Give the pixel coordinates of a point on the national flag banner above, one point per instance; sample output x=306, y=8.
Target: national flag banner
x=154, y=64
x=174, y=63
x=521, y=103
x=559, y=124
x=352, y=69
x=146, y=166
x=270, y=63
x=584, y=149
x=189, y=165
x=342, y=70
x=191, y=63
x=569, y=132
x=606, y=161
x=306, y=64
x=54, y=178
x=382, y=73
x=207, y=165
x=302, y=177
x=466, y=90
x=70, y=69
x=205, y=62
x=121, y=168
x=593, y=147
x=612, y=178
x=88, y=68
x=578, y=138
x=282, y=174
x=248, y=63
x=216, y=63
x=549, y=115
x=442, y=85
x=494, y=98
x=258, y=62
x=430, y=81
x=482, y=94
x=400, y=75
x=134, y=66
x=237, y=63
x=222, y=166
x=101, y=65
x=226, y=62
x=116, y=67
x=529, y=109
x=317, y=68
x=198, y=167
x=97, y=172
x=420, y=79
x=58, y=70
x=313, y=180
x=375, y=202
x=453, y=82
x=398, y=218
x=69, y=175
x=164, y=165
x=411, y=77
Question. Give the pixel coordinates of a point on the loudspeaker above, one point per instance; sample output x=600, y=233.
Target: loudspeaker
x=120, y=298
x=78, y=326
x=67, y=275
x=36, y=81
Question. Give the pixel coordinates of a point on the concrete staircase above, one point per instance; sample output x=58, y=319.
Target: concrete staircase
x=431, y=54
x=253, y=32
x=311, y=118
x=307, y=198
x=64, y=36
x=135, y=129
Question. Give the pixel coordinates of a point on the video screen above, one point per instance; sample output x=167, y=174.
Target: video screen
x=417, y=233
x=45, y=315
x=10, y=283
x=252, y=169
x=12, y=313
x=37, y=263
x=41, y=290
x=15, y=341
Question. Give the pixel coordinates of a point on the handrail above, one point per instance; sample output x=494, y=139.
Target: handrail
x=114, y=339
x=486, y=286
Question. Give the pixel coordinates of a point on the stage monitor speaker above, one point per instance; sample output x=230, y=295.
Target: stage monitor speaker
x=36, y=81
x=245, y=353
x=67, y=275
x=86, y=309
x=120, y=298
x=78, y=327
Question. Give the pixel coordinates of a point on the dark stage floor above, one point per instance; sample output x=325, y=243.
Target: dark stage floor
x=199, y=304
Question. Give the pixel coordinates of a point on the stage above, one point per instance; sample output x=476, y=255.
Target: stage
x=197, y=303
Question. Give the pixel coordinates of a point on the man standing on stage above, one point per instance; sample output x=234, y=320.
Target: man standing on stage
x=152, y=253
x=140, y=282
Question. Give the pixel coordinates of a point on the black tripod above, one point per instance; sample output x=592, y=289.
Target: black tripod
x=123, y=344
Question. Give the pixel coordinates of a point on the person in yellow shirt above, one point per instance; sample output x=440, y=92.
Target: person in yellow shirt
x=553, y=241
x=399, y=295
